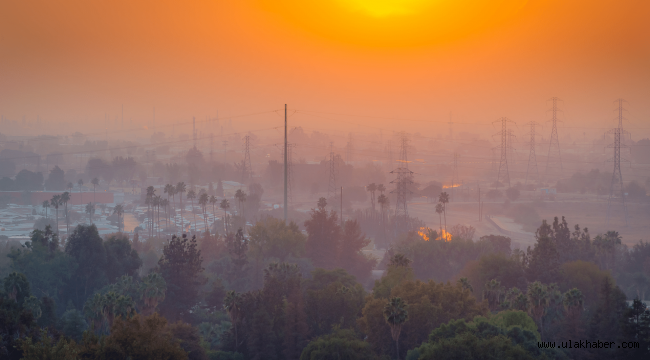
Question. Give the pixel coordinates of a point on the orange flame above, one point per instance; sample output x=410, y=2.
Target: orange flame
x=450, y=186
x=425, y=231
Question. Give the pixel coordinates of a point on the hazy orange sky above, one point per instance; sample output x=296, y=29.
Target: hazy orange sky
x=410, y=59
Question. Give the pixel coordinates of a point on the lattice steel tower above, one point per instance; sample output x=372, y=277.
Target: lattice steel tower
x=454, y=176
x=404, y=179
x=555, y=141
x=532, y=169
x=616, y=188
x=503, y=163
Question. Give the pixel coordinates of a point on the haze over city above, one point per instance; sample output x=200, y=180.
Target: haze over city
x=262, y=179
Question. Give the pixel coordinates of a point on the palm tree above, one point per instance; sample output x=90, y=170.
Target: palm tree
x=444, y=199
x=95, y=182
x=70, y=186
x=465, y=284
x=225, y=205
x=65, y=197
x=90, y=210
x=56, y=201
x=492, y=293
x=46, y=204
x=538, y=299
x=396, y=314
x=153, y=288
x=372, y=188
x=119, y=211
x=203, y=201
x=157, y=201
x=151, y=192
x=213, y=200
x=180, y=189
x=381, y=188
x=383, y=205
x=192, y=195
x=81, y=183
x=165, y=203
x=169, y=190
x=439, y=210
x=240, y=195
x=232, y=303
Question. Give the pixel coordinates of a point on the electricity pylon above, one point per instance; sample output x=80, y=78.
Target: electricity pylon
x=333, y=172
x=404, y=179
x=532, y=169
x=503, y=163
x=555, y=140
x=616, y=188
x=247, y=169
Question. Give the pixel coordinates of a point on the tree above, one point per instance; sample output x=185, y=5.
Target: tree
x=55, y=180
x=56, y=201
x=191, y=195
x=203, y=201
x=119, y=211
x=87, y=248
x=181, y=267
x=65, y=197
x=153, y=289
x=240, y=195
x=636, y=327
x=371, y=189
x=46, y=205
x=169, y=190
x=225, y=206
x=151, y=193
x=323, y=234
x=90, y=210
x=136, y=338
x=444, y=200
x=95, y=182
x=538, y=298
x=350, y=256
x=543, y=259
x=189, y=339
x=80, y=183
x=232, y=303
x=440, y=209
x=342, y=344
x=121, y=258
x=44, y=347
x=396, y=314
x=180, y=189
x=213, y=201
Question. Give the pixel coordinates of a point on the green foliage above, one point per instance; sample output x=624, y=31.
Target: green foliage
x=190, y=340
x=181, y=268
x=332, y=298
x=46, y=267
x=17, y=287
x=585, y=276
x=543, y=259
x=341, y=345
x=429, y=305
x=636, y=327
x=323, y=237
x=86, y=247
x=72, y=324
x=45, y=348
x=121, y=259
x=507, y=336
x=508, y=270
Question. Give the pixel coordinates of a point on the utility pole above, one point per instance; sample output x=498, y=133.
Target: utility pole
x=286, y=170
x=454, y=176
x=247, y=170
x=503, y=164
x=532, y=157
x=333, y=172
x=555, y=141
x=341, y=207
x=616, y=189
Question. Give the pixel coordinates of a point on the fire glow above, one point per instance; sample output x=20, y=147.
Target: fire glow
x=450, y=186
x=425, y=231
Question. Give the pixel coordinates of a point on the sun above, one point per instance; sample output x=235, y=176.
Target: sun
x=393, y=23
x=384, y=8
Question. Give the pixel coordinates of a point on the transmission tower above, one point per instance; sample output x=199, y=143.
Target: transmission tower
x=247, y=170
x=511, y=148
x=532, y=169
x=503, y=163
x=349, y=149
x=616, y=189
x=333, y=172
x=554, y=145
x=454, y=176
x=404, y=179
